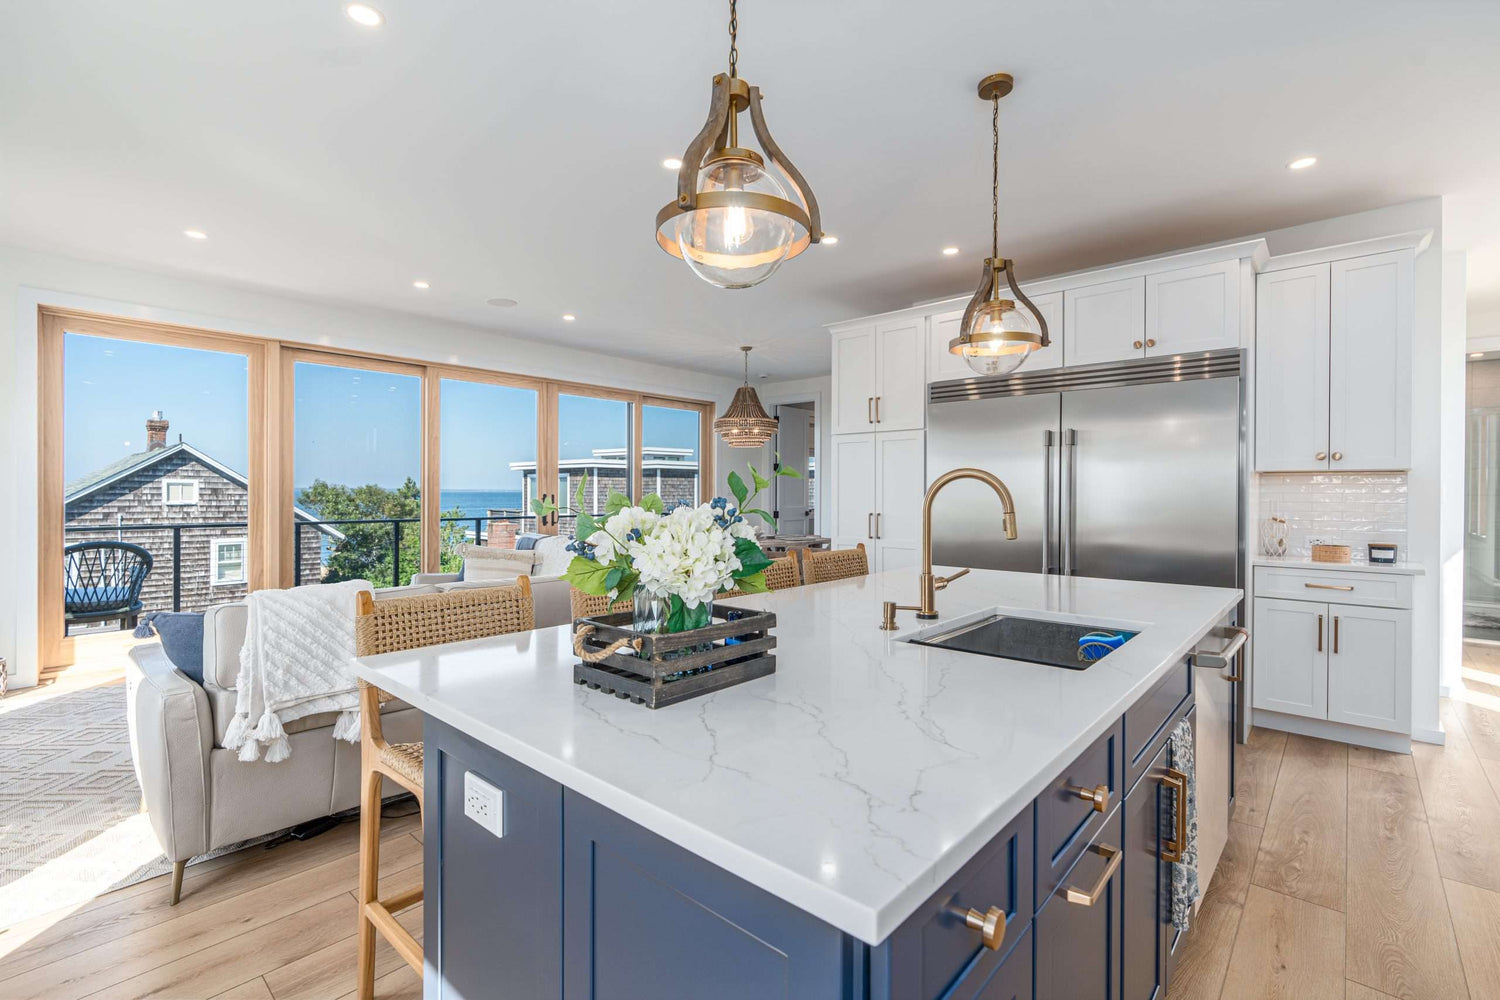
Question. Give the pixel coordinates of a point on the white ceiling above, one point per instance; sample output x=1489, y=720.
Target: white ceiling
x=513, y=149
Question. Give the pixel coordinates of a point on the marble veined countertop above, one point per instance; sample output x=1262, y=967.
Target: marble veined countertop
x=1402, y=568
x=861, y=775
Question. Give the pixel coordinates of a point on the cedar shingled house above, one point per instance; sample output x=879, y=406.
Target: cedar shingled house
x=169, y=485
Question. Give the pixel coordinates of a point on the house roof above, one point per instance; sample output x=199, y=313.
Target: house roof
x=94, y=481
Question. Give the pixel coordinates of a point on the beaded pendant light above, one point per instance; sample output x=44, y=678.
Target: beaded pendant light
x=745, y=424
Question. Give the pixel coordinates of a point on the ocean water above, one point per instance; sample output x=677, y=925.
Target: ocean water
x=475, y=503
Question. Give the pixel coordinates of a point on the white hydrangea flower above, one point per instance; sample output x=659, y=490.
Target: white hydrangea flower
x=685, y=554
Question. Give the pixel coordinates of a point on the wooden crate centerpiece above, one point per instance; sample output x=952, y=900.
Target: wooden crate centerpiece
x=656, y=669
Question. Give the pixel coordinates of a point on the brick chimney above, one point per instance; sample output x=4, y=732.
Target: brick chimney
x=156, y=431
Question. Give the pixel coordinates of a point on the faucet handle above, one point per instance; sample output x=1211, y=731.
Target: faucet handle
x=942, y=582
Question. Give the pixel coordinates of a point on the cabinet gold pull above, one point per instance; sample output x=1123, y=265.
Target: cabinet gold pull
x=1335, y=633
x=877, y=409
x=1328, y=586
x=1150, y=342
x=1098, y=795
x=990, y=924
x=870, y=526
x=1178, y=782
x=869, y=412
x=1136, y=344
x=877, y=524
x=1338, y=456
x=1114, y=857
x=1320, y=633
x=1320, y=456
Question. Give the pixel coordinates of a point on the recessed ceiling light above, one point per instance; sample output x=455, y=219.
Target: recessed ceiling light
x=949, y=251
x=501, y=303
x=830, y=239
x=420, y=284
x=672, y=163
x=1302, y=163
x=195, y=234
x=568, y=317
x=1477, y=354
x=365, y=15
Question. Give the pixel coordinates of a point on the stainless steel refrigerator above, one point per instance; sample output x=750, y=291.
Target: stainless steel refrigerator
x=1129, y=472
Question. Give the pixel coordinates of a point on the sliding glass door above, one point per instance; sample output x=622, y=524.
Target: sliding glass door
x=595, y=436
x=488, y=468
x=671, y=436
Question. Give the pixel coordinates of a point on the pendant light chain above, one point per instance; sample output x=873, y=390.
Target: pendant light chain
x=994, y=181
x=734, y=39
x=747, y=364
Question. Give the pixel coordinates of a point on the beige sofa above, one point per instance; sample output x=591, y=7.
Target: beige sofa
x=200, y=796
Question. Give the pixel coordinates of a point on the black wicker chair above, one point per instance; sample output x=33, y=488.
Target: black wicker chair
x=102, y=581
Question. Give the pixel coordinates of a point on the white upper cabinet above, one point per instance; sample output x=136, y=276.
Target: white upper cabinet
x=1291, y=369
x=942, y=366
x=1333, y=365
x=1369, y=350
x=1105, y=322
x=1193, y=309
x=880, y=377
x=854, y=380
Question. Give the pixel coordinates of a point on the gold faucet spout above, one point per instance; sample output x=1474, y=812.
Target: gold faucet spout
x=929, y=585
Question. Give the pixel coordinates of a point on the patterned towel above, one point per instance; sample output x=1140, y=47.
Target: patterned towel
x=297, y=661
x=1185, y=872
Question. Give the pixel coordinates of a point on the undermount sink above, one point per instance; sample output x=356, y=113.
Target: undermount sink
x=1071, y=645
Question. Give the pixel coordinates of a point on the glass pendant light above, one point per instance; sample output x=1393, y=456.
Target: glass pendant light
x=735, y=220
x=996, y=336
x=745, y=424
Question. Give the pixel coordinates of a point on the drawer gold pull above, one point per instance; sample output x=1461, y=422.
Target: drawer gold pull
x=1328, y=586
x=1177, y=781
x=1114, y=857
x=1335, y=633
x=990, y=924
x=1320, y=633
x=1098, y=795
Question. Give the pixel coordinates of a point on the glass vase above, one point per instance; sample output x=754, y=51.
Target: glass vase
x=650, y=613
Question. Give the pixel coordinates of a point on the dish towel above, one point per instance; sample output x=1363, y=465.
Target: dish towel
x=297, y=661
x=1185, y=872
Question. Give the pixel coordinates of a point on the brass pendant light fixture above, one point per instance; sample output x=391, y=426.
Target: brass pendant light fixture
x=734, y=220
x=996, y=337
x=745, y=424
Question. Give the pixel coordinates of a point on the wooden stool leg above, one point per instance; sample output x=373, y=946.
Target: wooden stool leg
x=369, y=877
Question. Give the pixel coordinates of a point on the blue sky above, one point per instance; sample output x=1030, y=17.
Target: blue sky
x=352, y=426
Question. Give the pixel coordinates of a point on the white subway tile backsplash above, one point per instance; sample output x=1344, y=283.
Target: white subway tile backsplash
x=1341, y=508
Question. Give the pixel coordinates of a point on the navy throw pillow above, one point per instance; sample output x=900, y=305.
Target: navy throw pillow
x=526, y=542
x=181, y=634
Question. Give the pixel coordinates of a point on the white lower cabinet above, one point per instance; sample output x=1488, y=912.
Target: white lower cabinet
x=1322, y=659
x=878, y=496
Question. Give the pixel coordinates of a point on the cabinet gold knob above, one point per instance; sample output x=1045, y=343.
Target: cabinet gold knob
x=1150, y=342
x=1320, y=456
x=990, y=925
x=1136, y=344
x=1338, y=456
x=1098, y=795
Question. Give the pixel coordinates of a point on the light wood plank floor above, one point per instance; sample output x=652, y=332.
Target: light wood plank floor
x=1350, y=874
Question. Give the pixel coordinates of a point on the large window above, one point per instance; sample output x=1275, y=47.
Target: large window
x=489, y=464
x=593, y=439
x=670, y=436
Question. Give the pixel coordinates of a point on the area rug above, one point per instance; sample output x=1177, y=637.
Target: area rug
x=71, y=826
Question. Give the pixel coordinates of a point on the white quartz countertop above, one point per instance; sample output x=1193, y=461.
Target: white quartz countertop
x=862, y=774
x=1402, y=568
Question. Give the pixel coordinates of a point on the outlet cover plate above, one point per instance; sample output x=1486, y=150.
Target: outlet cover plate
x=484, y=803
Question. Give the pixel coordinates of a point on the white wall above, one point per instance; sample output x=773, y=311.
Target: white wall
x=29, y=279
x=820, y=391
x=1453, y=486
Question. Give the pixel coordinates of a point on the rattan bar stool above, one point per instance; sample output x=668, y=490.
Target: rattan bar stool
x=837, y=564
x=783, y=573
x=388, y=627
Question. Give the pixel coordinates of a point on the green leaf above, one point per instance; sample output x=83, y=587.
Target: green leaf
x=762, y=514
x=587, y=527
x=676, y=615
x=578, y=493
x=737, y=487
x=695, y=617
x=612, y=578
x=652, y=502
x=587, y=575
x=617, y=502
x=752, y=559
x=761, y=482
x=542, y=508
x=755, y=583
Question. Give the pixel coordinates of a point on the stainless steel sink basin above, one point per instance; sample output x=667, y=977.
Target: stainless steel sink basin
x=1056, y=644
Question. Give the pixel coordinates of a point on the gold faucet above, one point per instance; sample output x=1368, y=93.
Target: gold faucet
x=928, y=585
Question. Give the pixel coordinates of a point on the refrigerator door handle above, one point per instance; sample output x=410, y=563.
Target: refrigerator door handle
x=1049, y=439
x=1069, y=497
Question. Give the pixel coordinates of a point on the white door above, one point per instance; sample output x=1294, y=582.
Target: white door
x=900, y=472
x=854, y=381
x=1291, y=657
x=1193, y=309
x=1105, y=322
x=793, y=434
x=1369, y=351
x=901, y=374
x=1369, y=667
x=1291, y=370
x=853, y=490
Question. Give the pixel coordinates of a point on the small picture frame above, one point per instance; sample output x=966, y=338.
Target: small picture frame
x=1382, y=553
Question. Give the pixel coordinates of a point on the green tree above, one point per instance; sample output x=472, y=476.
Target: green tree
x=367, y=550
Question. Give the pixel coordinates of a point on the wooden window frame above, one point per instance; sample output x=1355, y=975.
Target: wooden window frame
x=269, y=551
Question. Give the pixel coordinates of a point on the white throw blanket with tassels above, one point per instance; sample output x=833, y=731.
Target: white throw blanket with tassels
x=298, y=660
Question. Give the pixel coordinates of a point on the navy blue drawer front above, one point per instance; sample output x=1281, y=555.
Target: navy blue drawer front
x=1078, y=946
x=1065, y=821
x=934, y=953
x=1013, y=979
x=1146, y=721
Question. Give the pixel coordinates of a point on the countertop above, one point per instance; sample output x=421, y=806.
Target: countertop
x=861, y=775
x=1402, y=568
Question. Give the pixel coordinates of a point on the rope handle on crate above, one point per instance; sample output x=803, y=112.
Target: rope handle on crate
x=604, y=653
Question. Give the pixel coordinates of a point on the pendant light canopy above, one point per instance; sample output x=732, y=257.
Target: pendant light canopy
x=735, y=219
x=996, y=336
x=745, y=424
